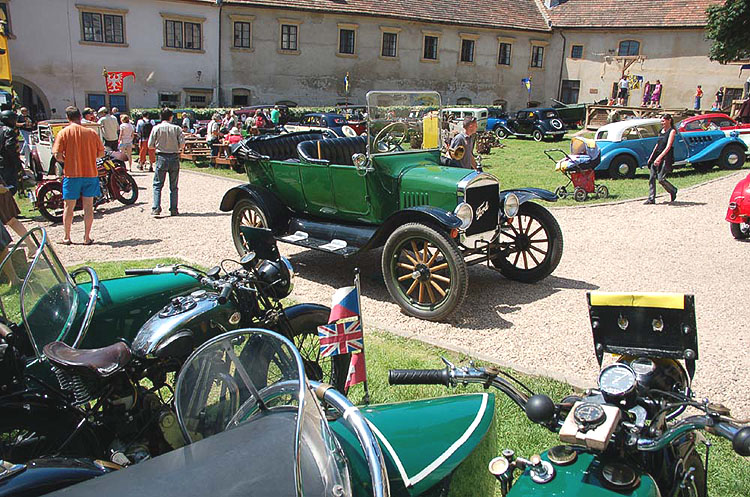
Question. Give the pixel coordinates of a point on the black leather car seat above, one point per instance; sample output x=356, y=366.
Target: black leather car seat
x=279, y=147
x=332, y=150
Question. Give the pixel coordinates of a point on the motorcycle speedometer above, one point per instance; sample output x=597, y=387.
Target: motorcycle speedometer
x=589, y=416
x=617, y=381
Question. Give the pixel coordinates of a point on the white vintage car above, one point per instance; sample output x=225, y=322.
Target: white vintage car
x=43, y=139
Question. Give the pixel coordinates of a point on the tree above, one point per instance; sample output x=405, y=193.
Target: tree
x=728, y=25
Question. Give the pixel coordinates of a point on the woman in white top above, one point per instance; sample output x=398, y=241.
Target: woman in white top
x=127, y=132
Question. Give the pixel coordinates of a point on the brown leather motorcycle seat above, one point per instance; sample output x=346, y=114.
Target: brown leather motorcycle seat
x=102, y=362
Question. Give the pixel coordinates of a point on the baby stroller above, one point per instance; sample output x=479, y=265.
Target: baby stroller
x=578, y=167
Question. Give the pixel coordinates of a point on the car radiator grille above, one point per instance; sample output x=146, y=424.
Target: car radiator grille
x=413, y=199
x=485, y=200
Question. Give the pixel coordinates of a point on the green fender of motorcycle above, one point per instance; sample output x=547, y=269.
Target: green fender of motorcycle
x=580, y=479
x=425, y=443
x=125, y=304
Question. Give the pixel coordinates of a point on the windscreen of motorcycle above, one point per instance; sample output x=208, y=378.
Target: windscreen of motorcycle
x=37, y=290
x=254, y=381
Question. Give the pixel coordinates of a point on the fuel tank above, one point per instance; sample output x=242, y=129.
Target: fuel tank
x=183, y=324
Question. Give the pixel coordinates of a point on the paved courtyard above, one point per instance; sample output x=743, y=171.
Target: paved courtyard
x=541, y=328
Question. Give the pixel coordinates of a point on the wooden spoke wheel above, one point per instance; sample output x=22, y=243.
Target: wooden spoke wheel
x=246, y=213
x=424, y=271
x=534, y=244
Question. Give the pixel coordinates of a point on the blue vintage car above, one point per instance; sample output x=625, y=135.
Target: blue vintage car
x=328, y=122
x=627, y=145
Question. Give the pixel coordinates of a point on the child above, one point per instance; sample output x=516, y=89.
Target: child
x=698, y=96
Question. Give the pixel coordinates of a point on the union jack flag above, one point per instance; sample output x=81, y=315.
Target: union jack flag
x=340, y=338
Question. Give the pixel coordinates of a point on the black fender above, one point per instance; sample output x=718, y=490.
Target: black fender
x=505, y=127
x=48, y=474
x=295, y=311
x=526, y=194
x=422, y=213
x=278, y=214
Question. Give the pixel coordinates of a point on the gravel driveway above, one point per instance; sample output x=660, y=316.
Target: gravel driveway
x=541, y=328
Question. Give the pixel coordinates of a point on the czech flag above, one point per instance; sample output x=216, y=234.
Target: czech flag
x=345, y=304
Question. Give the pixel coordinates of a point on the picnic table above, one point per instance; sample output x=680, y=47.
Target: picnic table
x=195, y=149
x=223, y=157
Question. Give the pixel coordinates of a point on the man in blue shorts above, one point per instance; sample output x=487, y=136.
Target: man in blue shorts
x=78, y=147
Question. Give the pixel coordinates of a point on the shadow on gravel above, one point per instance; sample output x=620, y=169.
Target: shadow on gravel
x=130, y=242
x=682, y=203
x=105, y=209
x=490, y=302
x=203, y=214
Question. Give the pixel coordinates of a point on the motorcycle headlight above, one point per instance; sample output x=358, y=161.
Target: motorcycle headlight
x=465, y=213
x=278, y=276
x=511, y=205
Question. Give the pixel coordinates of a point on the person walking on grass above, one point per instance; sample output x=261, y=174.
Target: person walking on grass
x=78, y=147
x=167, y=139
x=661, y=160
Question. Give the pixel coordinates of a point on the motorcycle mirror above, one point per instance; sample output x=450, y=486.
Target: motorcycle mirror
x=213, y=272
x=540, y=409
x=248, y=259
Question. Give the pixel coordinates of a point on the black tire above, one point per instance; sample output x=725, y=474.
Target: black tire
x=740, y=231
x=703, y=167
x=622, y=166
x=534, y=225
x=304, y=334
x=50, y=201
x=123, y=187
x=419, y=248
x=246, y=212
x=561, y=192
x=580, y=195
x=537, y=135
x=732, y=157
x=501, y=132
x=602, y=191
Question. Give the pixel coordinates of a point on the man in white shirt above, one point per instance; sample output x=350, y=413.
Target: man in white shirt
x=110, y=128
x=167, y=139
x=622, y=94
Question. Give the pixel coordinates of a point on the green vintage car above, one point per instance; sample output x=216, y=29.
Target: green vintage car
x=390, y=188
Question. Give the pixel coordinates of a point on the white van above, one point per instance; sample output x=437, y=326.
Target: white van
x=457, y=115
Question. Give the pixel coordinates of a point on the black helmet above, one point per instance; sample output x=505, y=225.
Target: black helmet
x=8, y=118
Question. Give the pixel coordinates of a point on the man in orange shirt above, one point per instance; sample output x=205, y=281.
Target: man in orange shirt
x=78, y=147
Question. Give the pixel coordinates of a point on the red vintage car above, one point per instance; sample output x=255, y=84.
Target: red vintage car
x=715, y=121
x=738, y=213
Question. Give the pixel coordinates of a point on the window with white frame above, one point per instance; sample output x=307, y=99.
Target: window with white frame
x=103, y=26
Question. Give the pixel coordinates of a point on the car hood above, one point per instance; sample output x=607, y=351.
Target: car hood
x=432, y=178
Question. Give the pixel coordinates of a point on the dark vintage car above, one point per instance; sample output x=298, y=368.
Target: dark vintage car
x=390, y=189
x=537, y=123
x=319, y=121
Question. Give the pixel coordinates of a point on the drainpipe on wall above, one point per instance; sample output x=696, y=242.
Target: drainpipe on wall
x=562, y=64
x=220, y=3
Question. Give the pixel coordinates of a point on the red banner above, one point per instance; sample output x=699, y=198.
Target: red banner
x=115, y=80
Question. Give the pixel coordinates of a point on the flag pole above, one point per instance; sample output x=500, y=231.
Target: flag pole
x=366, y=398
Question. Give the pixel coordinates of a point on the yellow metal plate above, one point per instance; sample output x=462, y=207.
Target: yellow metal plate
x=660, y=300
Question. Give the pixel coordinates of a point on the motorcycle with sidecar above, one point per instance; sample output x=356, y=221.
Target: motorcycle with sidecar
x=738, y=213
x=105, y=391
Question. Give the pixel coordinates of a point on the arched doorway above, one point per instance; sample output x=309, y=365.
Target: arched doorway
x=31, y=97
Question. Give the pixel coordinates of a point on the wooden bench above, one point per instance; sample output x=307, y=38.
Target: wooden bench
x=195, y=149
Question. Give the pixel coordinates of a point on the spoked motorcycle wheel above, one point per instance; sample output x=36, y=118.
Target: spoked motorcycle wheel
x=50, y=201
x=123, y=187
x=246, y=213
x=424, y=271
x=304, y=334
x=536, y=245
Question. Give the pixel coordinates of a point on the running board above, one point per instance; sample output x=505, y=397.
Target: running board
x=334, y=238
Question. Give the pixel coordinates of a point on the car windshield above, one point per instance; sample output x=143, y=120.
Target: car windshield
x=254, y=381
x=403, y=121
x=36, y=290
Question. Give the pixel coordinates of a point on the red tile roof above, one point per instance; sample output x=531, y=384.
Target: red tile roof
x=510, y=14
x=630, y=13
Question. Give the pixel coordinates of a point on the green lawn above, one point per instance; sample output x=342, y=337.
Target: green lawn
x=729, y=474
x=522, y=163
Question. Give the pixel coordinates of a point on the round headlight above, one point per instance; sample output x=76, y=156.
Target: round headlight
x=465, y=213
x=511, y=205
x=289, y=268
x=278, y=276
